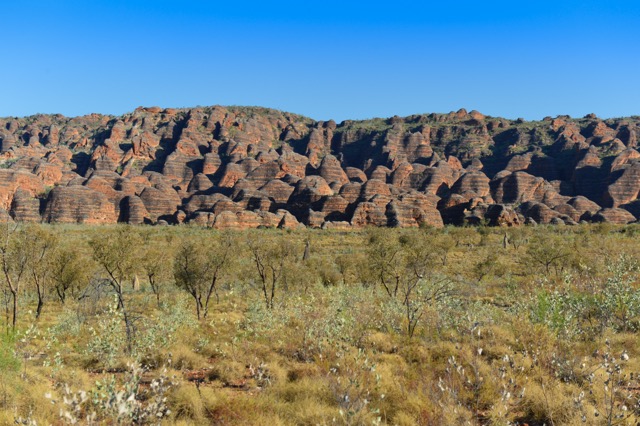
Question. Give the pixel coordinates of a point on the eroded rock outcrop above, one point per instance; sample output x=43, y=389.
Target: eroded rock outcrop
x=251, y=167
x=78, y=204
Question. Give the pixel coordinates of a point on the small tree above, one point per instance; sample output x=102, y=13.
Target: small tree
x=551, y=254
x=385, y=260
x=70, y=269
x=271, y=257
x=518, y=236
x=347, y=264
x=443, y=243
x=419, y=255
x=40, y=244
x=420, y=287
x=403, y=265
x=13, y=259
x=116, y=252
x=158, y=265
x=199, y=265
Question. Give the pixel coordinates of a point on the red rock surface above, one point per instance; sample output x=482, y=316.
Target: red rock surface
x=78, y=204
x=612, y=215
x=248, y=167
x=25, y=208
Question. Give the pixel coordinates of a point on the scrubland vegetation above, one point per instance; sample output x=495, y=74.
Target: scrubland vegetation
x=185, y=325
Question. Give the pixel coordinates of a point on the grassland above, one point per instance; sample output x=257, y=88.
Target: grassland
x=534, y=325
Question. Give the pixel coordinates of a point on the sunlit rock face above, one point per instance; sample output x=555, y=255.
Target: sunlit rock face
x=255, y=167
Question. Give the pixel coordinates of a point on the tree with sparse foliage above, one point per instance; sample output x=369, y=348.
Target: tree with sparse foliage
x=70, y=270
x=158, y=264
x=199, y=265
x=385, y=260
x=13, y=259
x=551, y=253
x=403, y=265
x=40, y=244
x=116, y=252
x=271, y=257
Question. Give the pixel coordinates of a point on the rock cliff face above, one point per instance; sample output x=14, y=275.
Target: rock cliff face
x=250, y=167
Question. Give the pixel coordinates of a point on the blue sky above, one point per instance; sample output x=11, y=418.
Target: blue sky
x=330, y=59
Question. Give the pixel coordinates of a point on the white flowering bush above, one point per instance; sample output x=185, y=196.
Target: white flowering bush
x=110, y=403
x=354, y=383
x=108, y=338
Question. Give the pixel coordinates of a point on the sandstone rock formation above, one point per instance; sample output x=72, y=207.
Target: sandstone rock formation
x=254, y=167
x=78, y=204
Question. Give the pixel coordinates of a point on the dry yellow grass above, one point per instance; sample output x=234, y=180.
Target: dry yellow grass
x=494, y=350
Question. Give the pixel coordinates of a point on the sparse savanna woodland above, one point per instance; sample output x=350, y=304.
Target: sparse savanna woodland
x=189, y=325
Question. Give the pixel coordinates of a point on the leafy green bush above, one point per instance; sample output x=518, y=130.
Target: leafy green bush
x=573, y=313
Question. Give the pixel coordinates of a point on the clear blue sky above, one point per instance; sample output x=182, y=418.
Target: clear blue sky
x=326, y=59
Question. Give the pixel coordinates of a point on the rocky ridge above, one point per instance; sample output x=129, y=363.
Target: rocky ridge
x=239, y=167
